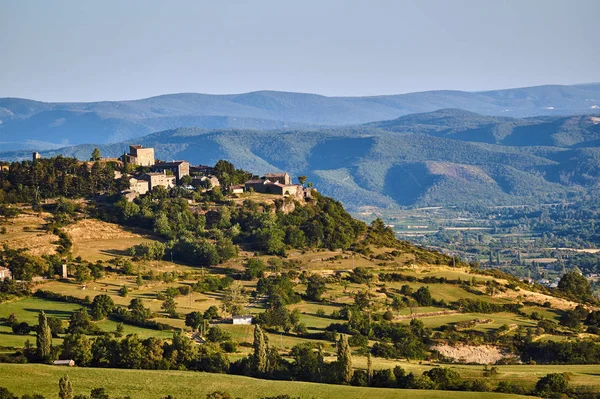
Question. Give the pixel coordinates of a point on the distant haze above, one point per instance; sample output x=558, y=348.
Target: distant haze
x=114, y=50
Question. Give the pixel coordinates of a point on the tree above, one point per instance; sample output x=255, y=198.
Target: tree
x=551, y=384
x=260, y=351
x=56, y=326
x=123, y=291
x=255, y=268
x=139, y=313
x=216, y=334
x=315, y=287
x=234, y=299
x=80, y=321
x=44, y=337
x=444, y=378
x=302, y=179
x=575, y=284
x=308, y=362
x=369, y=369
x=6, y=394
x=186, y=180
x=65, y=390
x=211, y=313
x=102, y=306
x=77, y=347
x=423, y=296
x=98, y=393
x=194, y=320
x=170, y=307
x=95, y=154
x=344, y=360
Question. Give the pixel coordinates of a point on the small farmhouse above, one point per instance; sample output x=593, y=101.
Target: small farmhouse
x=247, y=319
x=69, y=363
x=239, y=189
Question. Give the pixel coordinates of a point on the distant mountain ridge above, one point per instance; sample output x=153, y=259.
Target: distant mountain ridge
x=445, y=157
x=28, y=124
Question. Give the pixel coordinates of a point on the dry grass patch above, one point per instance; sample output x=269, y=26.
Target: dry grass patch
x=96, y=240
x=27, y=230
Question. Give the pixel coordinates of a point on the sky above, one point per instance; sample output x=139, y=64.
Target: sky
x=73, y=50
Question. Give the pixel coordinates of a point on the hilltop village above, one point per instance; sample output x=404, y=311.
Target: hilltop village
x=145, y=172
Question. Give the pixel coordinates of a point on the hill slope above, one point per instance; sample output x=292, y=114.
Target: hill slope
x=27, y=124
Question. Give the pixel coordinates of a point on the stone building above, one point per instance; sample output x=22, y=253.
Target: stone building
x=282, y=178
x=266, y=186
x=178, y=168
x=139, y=156
x=159, y=179
x=139, y=186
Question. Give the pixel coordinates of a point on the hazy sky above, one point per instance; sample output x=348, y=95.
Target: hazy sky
x=125, y=49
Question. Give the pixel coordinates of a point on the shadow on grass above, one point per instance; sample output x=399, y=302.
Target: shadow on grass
x=115, y=252
x=64, y=314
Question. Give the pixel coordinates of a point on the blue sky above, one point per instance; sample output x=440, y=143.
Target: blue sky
x=110, y=50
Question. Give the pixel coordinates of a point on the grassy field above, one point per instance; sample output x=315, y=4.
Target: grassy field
x=147, y=384
x=27, y=309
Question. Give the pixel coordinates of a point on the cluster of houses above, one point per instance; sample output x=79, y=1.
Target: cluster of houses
x=170, y=174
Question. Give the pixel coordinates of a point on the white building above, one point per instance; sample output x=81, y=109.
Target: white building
x=4, y=273
x=242, y=319
x=69, y=363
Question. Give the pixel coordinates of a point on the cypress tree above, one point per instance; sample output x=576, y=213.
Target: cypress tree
x=65, y=390
x=260, y=351
x=344, y=359
x=369, y=369
x=44, y=337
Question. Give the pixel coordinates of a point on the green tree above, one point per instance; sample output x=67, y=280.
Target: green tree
x=194, y=320
x=211, y=313
x=44, y=337
x=423, y=296
x=260, y=351
x=139, y=313
x=315, y=288
x=575, y=284
x=369, y=369
x=302, y=179
x=444, y=378
x=65, y=390
x=80, y=321
x=344, y=360
x=234, y=299
x=255, y=268
x=124, y=291
x=170, y=307
x=102, y=306
x=552, y=384
x=77, y=347
x=96, y=154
